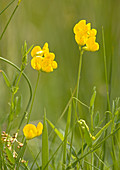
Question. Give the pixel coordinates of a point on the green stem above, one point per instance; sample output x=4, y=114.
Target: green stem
x=12, y=100
x=108, y=98
x=33, y=97
x=18, y=79
x=92, y=150
x=10, y=19
x=28, y=82
x=79, y=73
x=11, y=113
x=6, y=7
x=105, y=66
x=77, y=90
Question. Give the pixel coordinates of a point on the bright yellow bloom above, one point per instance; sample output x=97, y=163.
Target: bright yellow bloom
x=84, y=35
x=36, y=63
x=91, y=45
x=30, y=131
x=45, y=48
x=43, y=59
x=81, y=30
x=36, y=51
x=92, y=33
x=48, y=63
x=82, y=27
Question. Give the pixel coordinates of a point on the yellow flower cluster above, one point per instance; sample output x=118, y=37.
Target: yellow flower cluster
x=43, y=59
x=30, y=131
x=85, y=36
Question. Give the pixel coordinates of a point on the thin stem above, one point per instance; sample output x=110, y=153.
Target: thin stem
x=77, y=91
x=10, y=19
x=28, y=82
x=79, y=73
x=6, y=7
x=108, y=97
x=12, y=100
x=105, y=66
x=81, y=103
x=33, y=97
x=11, y=112
x=93, y=149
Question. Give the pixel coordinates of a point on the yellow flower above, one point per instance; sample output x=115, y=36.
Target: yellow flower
x=43, y=59
x=84, y=35
x=81, y=30
x=91, y=45
x=36, y=63
x=45, y=48
x=30, y=131
x=48, y=63
x=92, y=33
x=36, y=51
x=82, y=27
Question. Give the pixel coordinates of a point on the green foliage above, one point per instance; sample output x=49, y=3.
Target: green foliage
x=6, y=79
x=85, y=136
x=10, y=156
x=45, y=148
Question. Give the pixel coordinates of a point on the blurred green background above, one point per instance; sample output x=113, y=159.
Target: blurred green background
x=52, y=21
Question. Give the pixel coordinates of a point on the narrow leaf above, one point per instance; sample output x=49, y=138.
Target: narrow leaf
x=92, y=101
x=60, y=135
x=96, y=119
x=104, y=128
x=18, y=104
x=10, y=156
x=6, y=78
x=45, y=149
x=66, y=133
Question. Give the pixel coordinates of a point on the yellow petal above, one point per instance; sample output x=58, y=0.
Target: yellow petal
x=30, y=131
x=79, y=26
x=91, y=45
x=45, y=48
x=54, y=65
x=92, y=33
x=46, y=65
x=81, y=40
x=50, y=56
x=36, y=63
x=35, y=50
x=39, y=128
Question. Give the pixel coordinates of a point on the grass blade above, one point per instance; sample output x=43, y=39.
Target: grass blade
x=66, y=132
x=45, y=149
x=60, y=135
x=5, y=78
x=6, y=7
x=10, y=156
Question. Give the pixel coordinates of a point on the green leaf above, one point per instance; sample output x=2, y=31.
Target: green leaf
x=103, y=129
x=45, y=149
x=86, y=132
x=10, y=156
x=96, y=119
x=92, y=101
x=6, y=78
x=66, y=133
x=60, y=135
x=18, y=104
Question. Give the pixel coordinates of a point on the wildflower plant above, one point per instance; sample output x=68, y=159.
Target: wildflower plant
x=30, y=131
x=63, y=153
x=43, y=59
